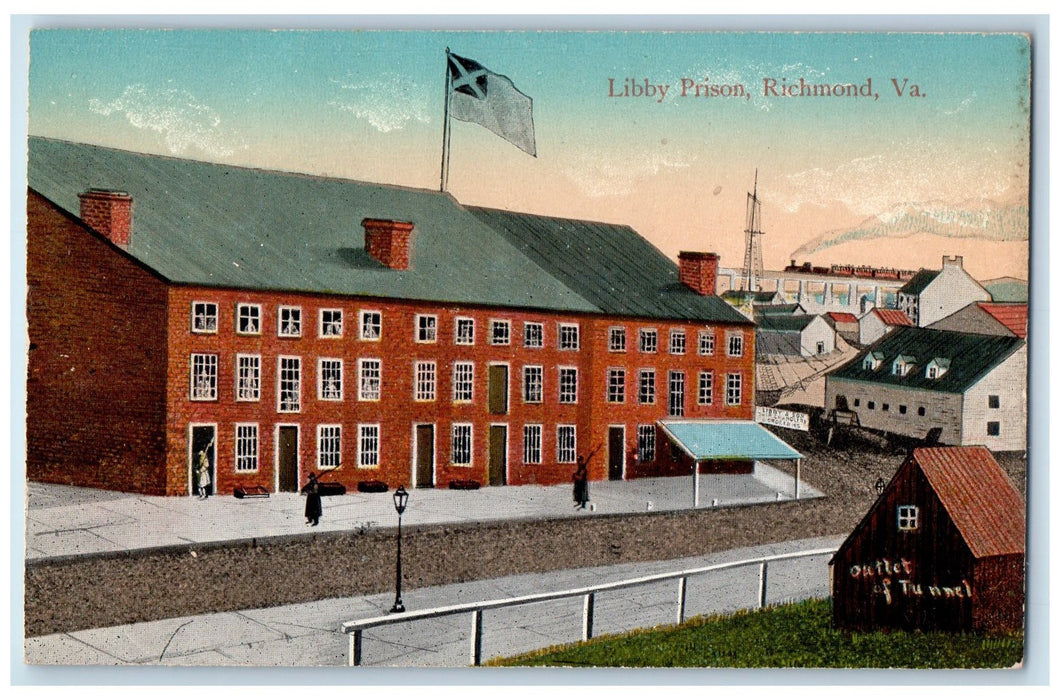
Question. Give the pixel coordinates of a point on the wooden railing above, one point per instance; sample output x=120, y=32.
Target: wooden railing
x=355, y=628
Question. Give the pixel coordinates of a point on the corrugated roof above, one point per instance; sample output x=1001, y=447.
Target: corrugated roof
x=1011, y=316
x=893, y=317
x=718, y=439
x=971, y=356
x=974, y=490
x=920, y=280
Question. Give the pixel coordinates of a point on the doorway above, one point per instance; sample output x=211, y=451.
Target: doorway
x=616, y=452
x=203, y=442
x=287, y=458
x=498, y=455
x=498, y=389
x=424, y=477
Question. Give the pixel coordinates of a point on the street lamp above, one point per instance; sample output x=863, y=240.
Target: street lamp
x=401, y=499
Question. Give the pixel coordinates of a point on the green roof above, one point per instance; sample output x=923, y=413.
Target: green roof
x=1007, y=289
x=785, y=324
x=777, y=309
x=970, y=355
x=717, y=439
x=919, y=282
x=226, y=226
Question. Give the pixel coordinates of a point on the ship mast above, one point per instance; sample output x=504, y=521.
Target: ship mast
x=752, y=259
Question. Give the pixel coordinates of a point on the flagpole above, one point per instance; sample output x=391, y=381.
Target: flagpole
x=445, y=125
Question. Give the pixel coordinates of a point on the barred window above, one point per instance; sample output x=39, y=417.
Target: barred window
x=568, y=336
x=426, y=328
x=371, y=379
x=203, y=377
x=649, y=340
x=203, y=317
x=290, y=322
x=368, y=446
x=735, y=340
x=463, y=381
x=677, y=342
x=566, y=444
x=248, y=377
x=290, y=398
x=908, y=517
x=706, y=342
x=461, y=448
x=465, y=331
x=329, y=446
x=246, y=447
x=677, y=393
x=646, y=386
x=616, y=339
x=706, y=388
x=426, y=381
x=330, y=379
x=500, y=332
x=248, y=319
x=331, y=323
x=533, y=383
x=733, y=389
x=533, y=335
x=568, y=385
x=532, y=444
x=645, y=443
x=371, y=325
x=616, y=385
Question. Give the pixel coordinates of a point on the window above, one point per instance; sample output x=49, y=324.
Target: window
x=706, y=342
x=330, y=379
x=649, y=340
x=368, y=446
x=872, y=405
x=706, y=388
x=645, y=443
x=331, y=323
x=533, y=380
x=857, y=402
x=501, y=333
x=872, y=361
x=646, y=386
x=463, y=381
x=329, y=446
x=426, y=329
x=465, y=331
x=677, y=393
x=203, y=317
x=908, y=517
x=532, y=444
x=733, y=389
x=920, y=411
x=735, y=343
x=461, y=448
x=568, y=336
x=371, y=325
x=533, y=335
x=566, y=444
x=568, y=385
x=248, y=377
x=371, y=379
x=203, y=377
x=426, y=381
x=290, y=322
x=820, y=347
x=616, y=386
x=885, y=407
x=902, y=408
x=616, y=339
x=290, y=396
x=248, y=319
x=677, y=342
x=902, y=364
x=246, y=447
x=993, y=428
x=993, y=401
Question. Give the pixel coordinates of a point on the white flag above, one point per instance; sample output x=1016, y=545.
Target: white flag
x=481, y=96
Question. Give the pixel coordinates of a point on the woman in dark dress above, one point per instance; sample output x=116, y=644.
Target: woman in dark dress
x=313, y=507
x=581, y=483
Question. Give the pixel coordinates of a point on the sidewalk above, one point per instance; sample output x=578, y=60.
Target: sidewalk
x=70, y=521
x=308, y=634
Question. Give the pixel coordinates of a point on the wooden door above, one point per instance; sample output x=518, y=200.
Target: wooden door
x=288, y=458
x=498, y=455
x=616, y=452
x=424, y=456
x=498, y=389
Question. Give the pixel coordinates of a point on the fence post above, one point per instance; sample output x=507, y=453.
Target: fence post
x=682, y=584
x=476, y=637
x=355, y=647
x=762, y=585
x=587, y=623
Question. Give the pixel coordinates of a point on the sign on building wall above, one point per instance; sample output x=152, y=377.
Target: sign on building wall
x=792, y=420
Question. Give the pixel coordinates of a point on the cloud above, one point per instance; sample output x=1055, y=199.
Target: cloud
x=615, y=174
x=388, y=102
x=184, y=123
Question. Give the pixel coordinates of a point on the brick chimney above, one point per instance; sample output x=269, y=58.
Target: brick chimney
x=699, y=271
x=389, y=242
x=109, y=212
x=955, y=261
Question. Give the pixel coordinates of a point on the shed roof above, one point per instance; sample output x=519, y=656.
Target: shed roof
x=919, y=282
x=727, y=439
x=842, y=317
x=784, y=324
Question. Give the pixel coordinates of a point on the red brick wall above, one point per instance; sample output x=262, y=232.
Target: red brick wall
x=699, y=271
x=109, y=213
x=389, y=242
x=96, y=369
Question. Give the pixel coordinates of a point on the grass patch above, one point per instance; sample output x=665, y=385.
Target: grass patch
x=799, y=635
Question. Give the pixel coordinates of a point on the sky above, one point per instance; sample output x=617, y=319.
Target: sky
x=878, y=178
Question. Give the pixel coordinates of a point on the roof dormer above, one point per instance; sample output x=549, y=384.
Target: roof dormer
x=937, y=367
x=872, y=361
x=902, y=364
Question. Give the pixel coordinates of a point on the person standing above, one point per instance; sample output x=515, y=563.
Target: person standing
x=202, y=475
x=313, y=506
x=581, y=484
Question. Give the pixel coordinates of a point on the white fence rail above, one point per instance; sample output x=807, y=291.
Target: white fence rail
x=355, y=628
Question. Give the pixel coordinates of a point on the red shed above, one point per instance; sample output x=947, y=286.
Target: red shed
x=942, y=548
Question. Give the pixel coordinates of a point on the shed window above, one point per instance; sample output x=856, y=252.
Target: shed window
x=993, y=428
x=908, y=518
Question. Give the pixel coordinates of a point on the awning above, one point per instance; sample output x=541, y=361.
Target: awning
x=727, y=439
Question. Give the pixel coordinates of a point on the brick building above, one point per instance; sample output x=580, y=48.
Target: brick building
x=282, y=324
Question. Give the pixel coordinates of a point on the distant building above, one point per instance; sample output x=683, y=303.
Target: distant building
x=761, y=310
x=879, y=322
x=989, y=318
x=845, y=324
x=1007, y=290
x=935, y=294
x=941, y=549
x=801, y=335
x=970, y=389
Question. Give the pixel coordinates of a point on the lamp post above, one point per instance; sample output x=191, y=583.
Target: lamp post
x=401, y=499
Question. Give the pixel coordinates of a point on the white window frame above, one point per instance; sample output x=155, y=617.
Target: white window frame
x=207, y=328
x=467, y=322
x=202, y=384
x=457, y=433
x=326, y=327
x=280, y=382
x=908, y=518
x=616, y=339
x=460, y=383
x=642, y=374
x=616, y=391
x=706, y=342
x=566, y=341
x=334, y=435
x=251, y=363
x=676, y=378
x=538, y=371
x=734, y=343
x=426, y=331
x=568, y=398
x=364, y=325
x=321, y=394
x=290, y=311
x=732, y=388
x=425, y=380
x=539, y=342
x=255, y=316
x=678, y=348
x=643, y=337
x=647, y=436
x=706, y=388
x=362, y=394
x=496, y=324
x=245, y=448
x=533, y=434
x=566, y=454
x=368, y=445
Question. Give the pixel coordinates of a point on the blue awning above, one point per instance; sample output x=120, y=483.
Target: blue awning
x=727, y=439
